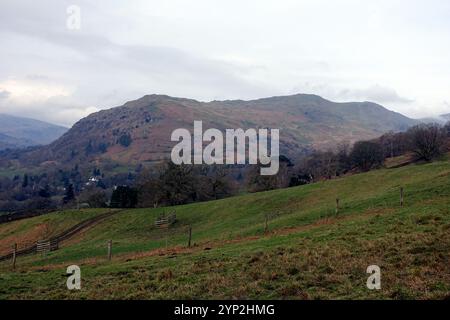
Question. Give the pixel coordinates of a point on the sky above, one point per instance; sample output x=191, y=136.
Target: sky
x=58, y=68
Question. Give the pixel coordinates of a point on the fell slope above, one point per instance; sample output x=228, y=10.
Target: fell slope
x=308, y=253
x=140, y=130
x=26, y=232
x=19, y=132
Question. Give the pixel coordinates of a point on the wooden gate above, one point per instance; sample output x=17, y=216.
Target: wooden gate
x=165, y=221
x=46, y=245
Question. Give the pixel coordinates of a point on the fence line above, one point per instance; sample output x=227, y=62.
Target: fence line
x=165, y=222
x=53, y=243
x=160, y=222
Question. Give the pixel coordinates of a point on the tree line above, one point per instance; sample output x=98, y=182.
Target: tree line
x=423, y=142
x=168, y=184
x=174, y=185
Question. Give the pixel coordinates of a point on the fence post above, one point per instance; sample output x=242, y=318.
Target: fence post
x=109, y=250
x=266, y=227
x=167, y=237
x=337, y=206
x=401, y=196
x=190, y=236
x=14, y=256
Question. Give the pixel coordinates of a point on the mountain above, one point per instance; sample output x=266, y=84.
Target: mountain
x=446, y=117
x=140, y=130
x=18, y=132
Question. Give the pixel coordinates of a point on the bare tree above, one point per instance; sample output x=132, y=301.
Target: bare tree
x=428, y=141
x=367, y=155
x=447, y=129
x=343, y=158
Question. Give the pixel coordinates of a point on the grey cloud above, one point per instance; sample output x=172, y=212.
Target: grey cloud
x=58, y=110
x=179, y=53
x=38, y=77
x=374, y=93
x=105, y=73
x=104, y=55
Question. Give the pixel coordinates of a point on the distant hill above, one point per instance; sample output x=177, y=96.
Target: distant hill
x=442, y=119
x=8, y=142
x=139, y=131
x=18, y=132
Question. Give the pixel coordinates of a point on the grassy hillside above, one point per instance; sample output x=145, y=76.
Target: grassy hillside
x=28, y=231
x=308, y=253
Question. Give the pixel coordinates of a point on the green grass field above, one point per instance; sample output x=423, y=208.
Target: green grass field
x=308, y=253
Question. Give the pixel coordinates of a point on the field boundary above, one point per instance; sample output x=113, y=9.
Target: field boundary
x=62, y=236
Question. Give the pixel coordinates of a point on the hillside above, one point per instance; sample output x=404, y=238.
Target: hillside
x=140, y=130
x=18, y=132
x=309, y=252
x=8, y=142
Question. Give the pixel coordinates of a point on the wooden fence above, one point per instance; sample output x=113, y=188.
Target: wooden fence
x=53, y=243
x=162, y=221
x=47, y=246
x=165, y=221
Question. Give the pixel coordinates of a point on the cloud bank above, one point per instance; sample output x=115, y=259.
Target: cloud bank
x=389, y=52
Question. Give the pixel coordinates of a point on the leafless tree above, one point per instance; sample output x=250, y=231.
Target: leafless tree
x=367, y=155
x=447, y=129
x=428, y=141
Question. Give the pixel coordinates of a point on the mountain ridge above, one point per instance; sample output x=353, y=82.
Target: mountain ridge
x=20, y=132
x=139, y=130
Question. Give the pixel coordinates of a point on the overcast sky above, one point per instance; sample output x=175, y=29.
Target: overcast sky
x=396, y=53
